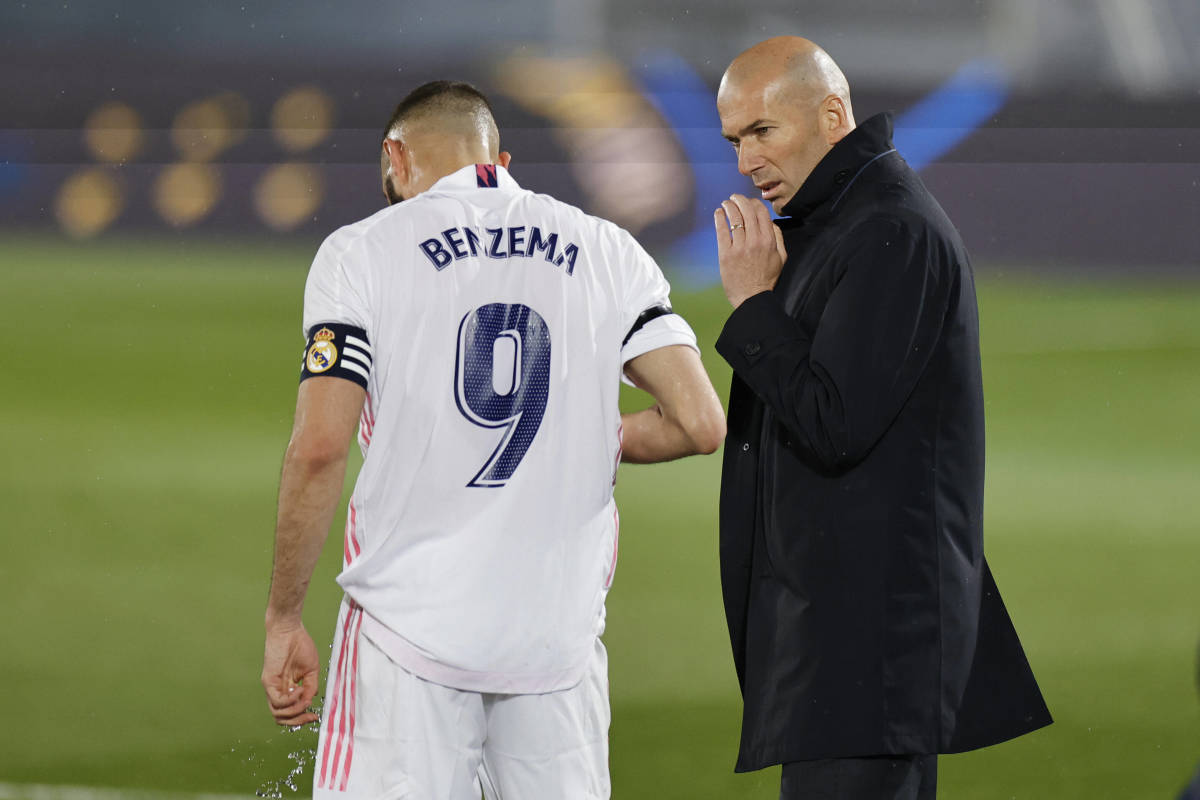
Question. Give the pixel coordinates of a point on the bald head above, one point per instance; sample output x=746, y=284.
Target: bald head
x=784, y=104
x=798, y=67
x=438, y=128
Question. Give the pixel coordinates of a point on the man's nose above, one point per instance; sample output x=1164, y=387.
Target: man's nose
x=748, y=160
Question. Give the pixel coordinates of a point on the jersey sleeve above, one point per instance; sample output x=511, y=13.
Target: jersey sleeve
x=336, y=317
x=648, y=319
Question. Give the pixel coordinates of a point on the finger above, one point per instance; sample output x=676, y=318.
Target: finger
x=283, y=701
x=737, y=225
x=292, y=712
x=293, y=697
x=751, y=212
x=298, y=711
x=291, y=705
x=295, y=720
x=309, y=690
x=283, y=694
x=277, y=691
x=721, y=223
x=762, y=212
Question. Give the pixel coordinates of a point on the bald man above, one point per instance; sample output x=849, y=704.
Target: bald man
x=867, y=632
x=475, y=333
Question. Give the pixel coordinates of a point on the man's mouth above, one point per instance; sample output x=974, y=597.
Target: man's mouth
x=767, y=189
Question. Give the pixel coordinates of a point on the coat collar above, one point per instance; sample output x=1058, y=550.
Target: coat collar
x=837, y=170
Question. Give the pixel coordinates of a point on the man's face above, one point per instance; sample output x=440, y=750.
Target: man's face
x=775, y=132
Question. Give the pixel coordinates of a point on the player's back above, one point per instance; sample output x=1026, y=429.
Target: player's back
x=482, y=530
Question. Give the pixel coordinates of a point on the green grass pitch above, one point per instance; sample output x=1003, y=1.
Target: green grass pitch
x=148, y=394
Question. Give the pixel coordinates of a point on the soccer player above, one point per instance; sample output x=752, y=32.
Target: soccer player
x=476, y=334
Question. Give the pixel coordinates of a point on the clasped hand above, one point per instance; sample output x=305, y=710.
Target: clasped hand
x=749, y=247
x=290, y=674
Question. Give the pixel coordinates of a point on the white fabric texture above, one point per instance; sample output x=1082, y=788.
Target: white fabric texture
x=406, y=737
x=483, y=538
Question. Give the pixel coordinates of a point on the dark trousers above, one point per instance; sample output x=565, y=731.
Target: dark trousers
x=874, y=778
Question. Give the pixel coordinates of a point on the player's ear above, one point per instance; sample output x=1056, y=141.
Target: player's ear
x=395, y=150
x=504, y=158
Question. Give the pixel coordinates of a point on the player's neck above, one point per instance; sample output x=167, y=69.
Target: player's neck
x=447, y=162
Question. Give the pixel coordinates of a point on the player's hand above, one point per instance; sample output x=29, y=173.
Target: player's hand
x=290, y=674
x=749, y=248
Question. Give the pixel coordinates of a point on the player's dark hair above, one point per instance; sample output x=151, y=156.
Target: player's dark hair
x=434, y=94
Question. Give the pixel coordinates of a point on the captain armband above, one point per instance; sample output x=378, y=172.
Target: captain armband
x=337, y=350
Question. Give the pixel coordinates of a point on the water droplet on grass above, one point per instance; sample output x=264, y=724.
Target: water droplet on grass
x=302, y=759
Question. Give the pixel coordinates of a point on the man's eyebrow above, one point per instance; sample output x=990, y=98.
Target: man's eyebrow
x=734, y=137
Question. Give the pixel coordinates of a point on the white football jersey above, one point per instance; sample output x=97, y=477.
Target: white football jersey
x=490, y=326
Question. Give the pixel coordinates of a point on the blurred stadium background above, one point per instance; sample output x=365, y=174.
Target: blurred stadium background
x=166, y=173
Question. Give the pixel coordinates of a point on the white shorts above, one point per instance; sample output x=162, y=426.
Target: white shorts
x=388, y=734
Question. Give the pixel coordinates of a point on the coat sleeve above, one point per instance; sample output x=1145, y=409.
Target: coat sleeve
x=839, y=387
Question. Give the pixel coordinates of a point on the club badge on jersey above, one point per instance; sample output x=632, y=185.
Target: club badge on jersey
x=337, y=350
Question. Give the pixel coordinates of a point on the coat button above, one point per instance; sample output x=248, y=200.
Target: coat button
x=751, y=349
x=745, y=447
x=841, y=176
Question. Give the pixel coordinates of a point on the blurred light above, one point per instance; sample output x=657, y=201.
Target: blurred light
x=630, y=167
x=580, y=92
x=287, y=195
x=237, y=112
x=88, y=202
x=15, y=155
x=302, y=118
x=690, y=107
x=113, y=133
x=184, y=194
x=946, y=116
x=204, y=128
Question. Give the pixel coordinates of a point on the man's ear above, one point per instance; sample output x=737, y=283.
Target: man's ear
x=396, y=154
x=835, y=118
x=504, y=158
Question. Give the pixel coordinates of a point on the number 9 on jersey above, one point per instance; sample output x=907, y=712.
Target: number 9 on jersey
x=502, y=380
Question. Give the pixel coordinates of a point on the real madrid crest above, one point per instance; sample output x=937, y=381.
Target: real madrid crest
x=323, y=354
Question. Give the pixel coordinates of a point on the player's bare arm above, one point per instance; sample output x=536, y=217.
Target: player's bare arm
x=327, y=410
x=687, y=419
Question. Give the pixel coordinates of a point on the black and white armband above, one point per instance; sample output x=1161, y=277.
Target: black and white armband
x=337, y=350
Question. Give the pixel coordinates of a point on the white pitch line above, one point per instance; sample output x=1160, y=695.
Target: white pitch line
x=38, y=791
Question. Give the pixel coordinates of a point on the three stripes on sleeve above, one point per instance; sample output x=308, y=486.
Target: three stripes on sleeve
x=337, y=350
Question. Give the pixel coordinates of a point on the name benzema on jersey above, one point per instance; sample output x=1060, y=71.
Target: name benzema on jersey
x=507, y=242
